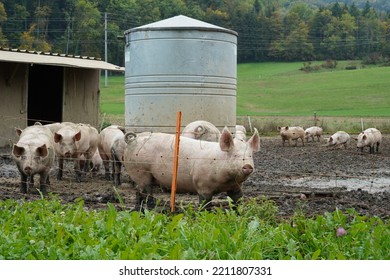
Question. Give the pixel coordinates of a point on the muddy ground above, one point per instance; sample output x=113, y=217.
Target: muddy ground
x=312, y=179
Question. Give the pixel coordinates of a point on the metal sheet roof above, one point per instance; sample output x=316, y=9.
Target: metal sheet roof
x=55, y=59
x=181, y=22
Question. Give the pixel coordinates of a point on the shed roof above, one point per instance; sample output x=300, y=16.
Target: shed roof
x=55, y=59
x=181, y=22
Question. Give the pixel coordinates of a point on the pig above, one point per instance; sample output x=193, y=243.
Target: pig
x=338, y=139
x=291, y=133
x=95, y=163
x=54, y=127
x=312, y=132
x=34, y=154
x=73, y=140
x=206, y=168
x=111, y=149
x=201, y=130
x=240, y=132
x=371, y=137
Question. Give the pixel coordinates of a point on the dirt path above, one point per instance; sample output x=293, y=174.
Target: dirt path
x=312, y=179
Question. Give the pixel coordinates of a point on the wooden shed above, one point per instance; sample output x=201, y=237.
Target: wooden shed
x=47, y=87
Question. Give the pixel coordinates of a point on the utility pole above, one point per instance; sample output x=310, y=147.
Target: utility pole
x=105, y=48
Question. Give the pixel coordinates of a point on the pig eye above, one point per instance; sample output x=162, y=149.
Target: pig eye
x=23, y=157
x=36, y=158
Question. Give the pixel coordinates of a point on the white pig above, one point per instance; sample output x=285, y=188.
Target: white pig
x=95, y=163
x=371, y=138
x=312, y=132
x=204, y=167
x=291, y=133
x=338, y=139
x=201, y=130
x=34, y=154
x=54, y=127
x=72, y=141
x=240, y=132
x=111, y=149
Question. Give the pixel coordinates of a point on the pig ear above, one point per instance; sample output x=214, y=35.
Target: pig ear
x=18, y=131
x=130, y=137
x=254, y=141
x=279, y=128
x=364, y=137
x=17, y=151
x=226, y=140
x=57, y=137
x=77, y=136
x=42, y=151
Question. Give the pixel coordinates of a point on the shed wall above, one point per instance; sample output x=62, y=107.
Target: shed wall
x=80, y=102
x=13, y=96
x=81, y=96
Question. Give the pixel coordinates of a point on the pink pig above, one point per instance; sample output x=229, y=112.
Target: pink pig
x=207, y=168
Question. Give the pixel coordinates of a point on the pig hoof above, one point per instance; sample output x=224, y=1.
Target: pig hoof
x=151, y=203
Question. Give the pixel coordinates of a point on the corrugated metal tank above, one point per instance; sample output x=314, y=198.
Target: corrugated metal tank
x=180, y=64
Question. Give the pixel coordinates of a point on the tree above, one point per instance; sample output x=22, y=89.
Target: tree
x=3, y=17
x=29, y=41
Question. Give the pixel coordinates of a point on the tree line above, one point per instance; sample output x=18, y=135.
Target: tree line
x=277, y=30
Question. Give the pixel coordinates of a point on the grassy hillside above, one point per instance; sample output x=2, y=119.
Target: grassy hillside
x=281, y=89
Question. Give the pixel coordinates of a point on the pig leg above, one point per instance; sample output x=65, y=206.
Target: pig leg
x=205, y=200
x=377, y=147
x=106, y=164
x=144, y=194
x=116, y=168
x=44, y=183
x=77, y=169
x=235, y=195
x=117, y=173
x=60, y=168
x=23, y=183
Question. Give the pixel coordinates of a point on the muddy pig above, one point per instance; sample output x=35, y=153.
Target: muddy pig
x=312, y=132
x=34, y=154
x=111, y=148
x=338, y=139
x=72, y=141
x=371, y=138
x=291, y=133
x=206, y=168
x=201, y=130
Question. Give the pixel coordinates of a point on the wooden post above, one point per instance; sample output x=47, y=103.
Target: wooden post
x=175, y=161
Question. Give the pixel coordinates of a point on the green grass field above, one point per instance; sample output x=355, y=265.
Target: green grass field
x=281, y=89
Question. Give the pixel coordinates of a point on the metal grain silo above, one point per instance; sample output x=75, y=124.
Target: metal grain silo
x=180, y=64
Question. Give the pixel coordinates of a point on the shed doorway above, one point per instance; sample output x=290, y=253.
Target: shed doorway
x=45, y=91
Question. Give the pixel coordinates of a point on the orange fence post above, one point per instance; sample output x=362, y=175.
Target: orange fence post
x=175, y=161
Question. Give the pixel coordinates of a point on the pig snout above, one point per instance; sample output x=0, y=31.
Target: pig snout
x=247, y=169
x=27, y=170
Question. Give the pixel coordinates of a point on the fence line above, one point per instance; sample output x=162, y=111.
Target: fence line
x=336, y=175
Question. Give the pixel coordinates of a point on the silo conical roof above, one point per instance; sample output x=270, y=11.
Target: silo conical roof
x=181, y=22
